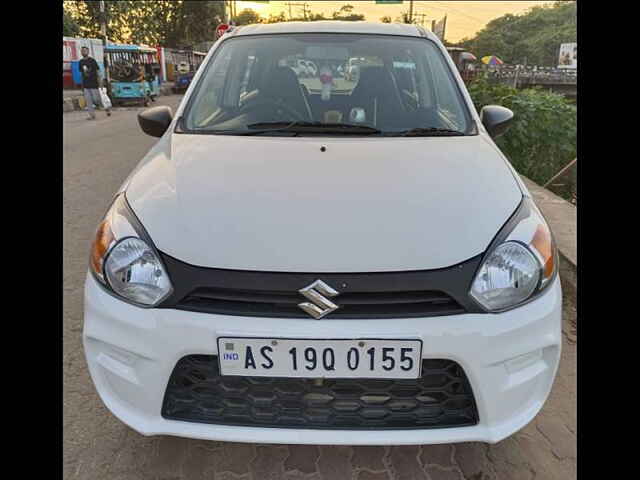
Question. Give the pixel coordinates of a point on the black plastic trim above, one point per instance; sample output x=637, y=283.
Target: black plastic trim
x=454, y=281
x=196, y=392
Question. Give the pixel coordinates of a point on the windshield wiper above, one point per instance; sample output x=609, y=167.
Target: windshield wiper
x=430, y=132
x=308, y=127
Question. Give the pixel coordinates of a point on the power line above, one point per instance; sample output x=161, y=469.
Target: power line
x=447, y=7
x=303, y=5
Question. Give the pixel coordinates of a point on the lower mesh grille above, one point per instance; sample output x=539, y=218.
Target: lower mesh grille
x=441, y=397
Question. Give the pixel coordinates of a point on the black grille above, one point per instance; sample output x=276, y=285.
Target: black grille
x=441, y=397
x=352, y=305
x=421, y=293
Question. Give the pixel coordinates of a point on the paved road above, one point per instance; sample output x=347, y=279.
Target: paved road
x=97, y=157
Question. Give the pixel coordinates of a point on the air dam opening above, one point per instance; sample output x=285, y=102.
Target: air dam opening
x=440, y=398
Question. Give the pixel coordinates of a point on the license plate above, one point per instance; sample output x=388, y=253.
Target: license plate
x=357, y=358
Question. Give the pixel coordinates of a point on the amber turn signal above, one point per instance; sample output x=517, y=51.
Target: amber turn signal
x=543, y=243
x=101, y=243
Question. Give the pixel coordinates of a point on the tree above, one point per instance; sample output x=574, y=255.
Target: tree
x=346, y=14
x=403, y=18
x=276, y=18
x=247, y=16
x=69, y=27
x=311, y=17
x=542, y=138
x=316, y=17
x=151, y=22
x=385, y=19
x=535, y=36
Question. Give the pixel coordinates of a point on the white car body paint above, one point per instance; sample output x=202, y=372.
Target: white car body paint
x=363, y=205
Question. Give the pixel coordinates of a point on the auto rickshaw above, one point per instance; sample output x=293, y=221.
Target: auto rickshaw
x=134, y=73
x=186, y=68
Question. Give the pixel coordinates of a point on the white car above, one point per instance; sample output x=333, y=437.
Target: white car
x=264, y=275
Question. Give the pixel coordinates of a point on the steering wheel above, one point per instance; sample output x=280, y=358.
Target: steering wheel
x=293, y=114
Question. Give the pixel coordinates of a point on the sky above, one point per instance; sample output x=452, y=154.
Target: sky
x=464, y=18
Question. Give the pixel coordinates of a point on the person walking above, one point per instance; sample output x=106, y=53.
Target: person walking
x=90, y=71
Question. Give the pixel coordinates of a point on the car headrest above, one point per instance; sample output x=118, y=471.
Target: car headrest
x=282, y=83
x=374, y=81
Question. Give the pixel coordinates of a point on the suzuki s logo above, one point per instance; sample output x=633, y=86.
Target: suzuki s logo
x=319, y=305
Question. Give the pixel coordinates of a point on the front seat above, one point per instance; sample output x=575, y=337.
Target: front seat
x=282, y=87
x=377, y=93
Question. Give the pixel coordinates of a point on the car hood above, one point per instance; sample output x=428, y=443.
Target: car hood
x=362, y=205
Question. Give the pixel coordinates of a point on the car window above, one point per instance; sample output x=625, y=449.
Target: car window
x=391, y=83
x=404, y=72
x=211, y=90
x=445, y=97
x=248, y=78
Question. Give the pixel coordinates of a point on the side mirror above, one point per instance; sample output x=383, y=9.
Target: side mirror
x=155, y=121
x=496, y=119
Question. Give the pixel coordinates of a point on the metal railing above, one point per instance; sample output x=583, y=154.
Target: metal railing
x=562, y=171
x=533, y=74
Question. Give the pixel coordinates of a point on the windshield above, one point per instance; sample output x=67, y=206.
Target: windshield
x=391, y=84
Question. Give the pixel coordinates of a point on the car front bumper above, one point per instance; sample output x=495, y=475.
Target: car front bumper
x=510, y=359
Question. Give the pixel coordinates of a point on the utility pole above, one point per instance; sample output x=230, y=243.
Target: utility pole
x=411, y=11
x=444, y=27
x=103, y=31
x=303, y=5
x=230, y=13
x=421, y=16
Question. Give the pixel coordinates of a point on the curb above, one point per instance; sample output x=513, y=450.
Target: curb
x=67, y=105
x=568, y=275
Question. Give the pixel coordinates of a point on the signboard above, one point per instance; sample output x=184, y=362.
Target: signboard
x=568, y=57
x=69, y=52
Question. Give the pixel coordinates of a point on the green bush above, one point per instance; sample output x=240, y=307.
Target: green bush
x=542, y=137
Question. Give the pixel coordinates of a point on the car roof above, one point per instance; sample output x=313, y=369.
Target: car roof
x=332, y=26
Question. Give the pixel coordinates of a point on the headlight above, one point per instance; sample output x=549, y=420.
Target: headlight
x=124, y=260
x=521, y=262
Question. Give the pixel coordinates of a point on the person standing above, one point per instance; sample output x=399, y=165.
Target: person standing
x=90, y=71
